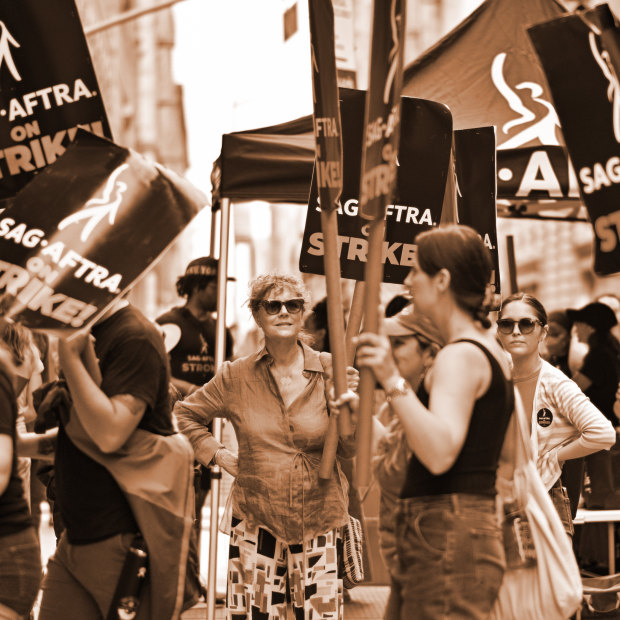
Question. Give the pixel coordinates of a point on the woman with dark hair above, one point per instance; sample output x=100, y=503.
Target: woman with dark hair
x=567, y=425
x=20, y=556
x=598, y=377
x=285, y=521
x=449, y=541
x=558, y=340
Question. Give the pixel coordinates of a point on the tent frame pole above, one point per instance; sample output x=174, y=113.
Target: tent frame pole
x=220, y=355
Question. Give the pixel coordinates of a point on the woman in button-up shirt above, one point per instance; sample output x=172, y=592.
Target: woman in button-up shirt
x=275, y=399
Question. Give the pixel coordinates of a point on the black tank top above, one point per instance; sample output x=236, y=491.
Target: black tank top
x=475, y=468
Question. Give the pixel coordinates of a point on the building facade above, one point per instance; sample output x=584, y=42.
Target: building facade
x=144, y=105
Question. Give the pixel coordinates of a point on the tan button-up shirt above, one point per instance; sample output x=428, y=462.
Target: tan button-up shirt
x=280, y=448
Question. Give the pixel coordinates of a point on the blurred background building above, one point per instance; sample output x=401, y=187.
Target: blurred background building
x=249, y=66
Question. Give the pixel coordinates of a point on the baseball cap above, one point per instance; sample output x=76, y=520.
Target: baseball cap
x=408, y=323
x=597, y=315
x=204, y=266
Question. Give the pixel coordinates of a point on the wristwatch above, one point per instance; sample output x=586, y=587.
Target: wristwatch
x=400, y=388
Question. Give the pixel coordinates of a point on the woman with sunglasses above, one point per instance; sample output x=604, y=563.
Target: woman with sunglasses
x=449, y=542
x=566, y=423
x=282, y=514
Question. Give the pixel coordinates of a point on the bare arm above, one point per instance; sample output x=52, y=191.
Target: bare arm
x=108, y=421
x=460, y=374
x=6, y=460
x=185, y=387
x=35, y=446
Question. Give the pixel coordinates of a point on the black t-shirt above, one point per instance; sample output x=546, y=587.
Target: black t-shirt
x=14, y=513
x=600, y=365
x=193, y=357
x=133, y=361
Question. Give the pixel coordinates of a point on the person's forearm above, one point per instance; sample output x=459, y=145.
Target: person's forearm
x=192, y=422
x=575, y=450
x=185, y=387
x=94, y=409
x=35, y=446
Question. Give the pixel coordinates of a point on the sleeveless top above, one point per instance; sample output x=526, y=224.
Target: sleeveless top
x=475, y=468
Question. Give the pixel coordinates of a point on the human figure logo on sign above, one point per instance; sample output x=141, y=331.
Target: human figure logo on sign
x=6, y=40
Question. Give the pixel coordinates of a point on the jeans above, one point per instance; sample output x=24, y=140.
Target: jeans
x=20, y=571
x=451, y=556
x=561, y=502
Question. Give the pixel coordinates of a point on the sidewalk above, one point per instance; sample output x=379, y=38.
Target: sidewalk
x=367, y=603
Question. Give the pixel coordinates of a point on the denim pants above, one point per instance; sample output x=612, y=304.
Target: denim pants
x=561, y=502
x=451, y=556
x=20, y=572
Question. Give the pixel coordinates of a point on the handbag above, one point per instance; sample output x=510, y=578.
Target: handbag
x=351, y=562
x=601, y=597
x=542, y=578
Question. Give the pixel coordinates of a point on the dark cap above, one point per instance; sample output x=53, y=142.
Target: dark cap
x=204, y=266
x=597, y=315
x=409, y=323
x=561, y=318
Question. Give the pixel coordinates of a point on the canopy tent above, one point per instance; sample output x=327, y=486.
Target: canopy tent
x=273, y=163
x=487, y=72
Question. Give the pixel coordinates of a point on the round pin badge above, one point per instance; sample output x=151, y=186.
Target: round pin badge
x=544, y=417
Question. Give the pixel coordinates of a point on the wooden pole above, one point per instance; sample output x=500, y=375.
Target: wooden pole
x=335, y=322
x=373, y=278
x=512, y=263
x=355, y=320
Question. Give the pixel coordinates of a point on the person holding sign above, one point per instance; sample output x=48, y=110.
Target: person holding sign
x=20, y=555
x=567, y=425
x=415, y=342
x=282, y=514
x=449, y=541
x=122, y=471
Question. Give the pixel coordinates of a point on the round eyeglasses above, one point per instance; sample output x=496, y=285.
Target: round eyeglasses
x=526, y=325
x=273, y=306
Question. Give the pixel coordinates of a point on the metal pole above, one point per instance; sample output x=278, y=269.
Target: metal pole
x=121, y=18
x=220, y=355
x=213, y=234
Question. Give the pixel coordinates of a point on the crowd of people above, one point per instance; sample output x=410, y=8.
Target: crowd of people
x=125, y=427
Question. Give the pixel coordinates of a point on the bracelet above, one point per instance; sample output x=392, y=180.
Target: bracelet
x=401, y=388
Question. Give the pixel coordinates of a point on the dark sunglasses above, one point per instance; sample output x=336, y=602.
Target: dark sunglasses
x=526, y=326
x=273, y=306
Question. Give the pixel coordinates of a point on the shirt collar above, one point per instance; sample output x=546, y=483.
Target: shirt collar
x=312, y=361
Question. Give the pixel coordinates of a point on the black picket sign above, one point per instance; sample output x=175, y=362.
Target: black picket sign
x=48, y=88
x=585, y=92
x=85, y=229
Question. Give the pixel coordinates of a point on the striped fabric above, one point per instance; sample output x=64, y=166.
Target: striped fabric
x=561, y=414
x=352, y=555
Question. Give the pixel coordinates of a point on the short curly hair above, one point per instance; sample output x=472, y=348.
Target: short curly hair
x=186, y=284
x=263, y=284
